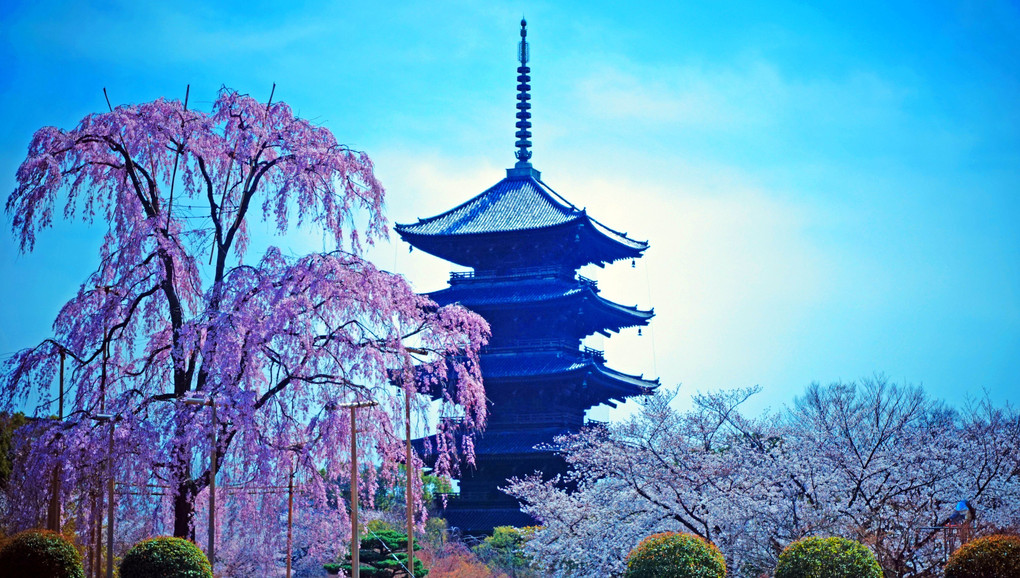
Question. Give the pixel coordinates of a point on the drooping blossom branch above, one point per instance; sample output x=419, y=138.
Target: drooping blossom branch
x=175, y=309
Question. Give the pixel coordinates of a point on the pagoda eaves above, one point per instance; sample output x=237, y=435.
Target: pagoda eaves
x=537, y=305
x=517, y=221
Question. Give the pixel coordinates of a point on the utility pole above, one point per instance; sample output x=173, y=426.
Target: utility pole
x=53, y=516
x=107, y=335
x=111, y=419
x=109, y=506
x=208, y=400
x=355, y=541
x=290, y=516
x=408, y=493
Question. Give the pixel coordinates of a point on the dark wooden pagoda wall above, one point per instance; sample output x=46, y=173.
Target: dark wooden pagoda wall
x=540, y=407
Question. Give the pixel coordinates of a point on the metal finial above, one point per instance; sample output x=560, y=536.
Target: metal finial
x=523, y=134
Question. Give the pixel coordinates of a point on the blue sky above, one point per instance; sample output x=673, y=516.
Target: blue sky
x=829, y=192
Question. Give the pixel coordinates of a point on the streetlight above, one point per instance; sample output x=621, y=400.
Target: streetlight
x=106, y=417
x=355, y=543
x=208, y=400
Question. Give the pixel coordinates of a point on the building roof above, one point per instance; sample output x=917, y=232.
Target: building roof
x=531, y=366
x=513, y=204
x=488, y=296
x=519, y=203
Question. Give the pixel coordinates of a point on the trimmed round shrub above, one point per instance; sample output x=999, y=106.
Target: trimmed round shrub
x=675, y=555
x=165, y=557
x=833, y=557
x=42, y=554
x=995, y=556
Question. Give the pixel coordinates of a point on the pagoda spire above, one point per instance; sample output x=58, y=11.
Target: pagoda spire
x=523, y=153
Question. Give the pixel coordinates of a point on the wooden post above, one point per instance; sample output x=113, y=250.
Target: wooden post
x=213, y=461
x=212, y=490
x=99, y=503
x=97, y=535
x=53, y=516
x=290, y=516
x=60, y=403
x=109, y=507
x=90, y=547
x=408, y=493
x=355, y=543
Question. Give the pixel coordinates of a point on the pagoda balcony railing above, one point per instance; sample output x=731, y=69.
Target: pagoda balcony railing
x=526, y=273
x=567, y=345
x=558, y=346
x=529, y=344
x=510, y=274
x=535, y=417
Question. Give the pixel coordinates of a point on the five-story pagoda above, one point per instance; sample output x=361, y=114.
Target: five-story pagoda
x=525, y=244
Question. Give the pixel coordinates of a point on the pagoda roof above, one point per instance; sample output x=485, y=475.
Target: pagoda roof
x=519, y=203
x=514, y=364
x=483, y=295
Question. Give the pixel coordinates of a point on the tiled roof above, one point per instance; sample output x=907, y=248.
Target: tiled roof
x=512, y=204
x=537, y=291
x=528, y=364
x=527, y=291
x=516, y=203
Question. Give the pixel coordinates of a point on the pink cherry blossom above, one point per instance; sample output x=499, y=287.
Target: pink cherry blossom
x=174, y=309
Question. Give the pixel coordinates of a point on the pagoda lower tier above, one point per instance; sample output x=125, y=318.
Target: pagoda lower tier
x=480, y=505
x=535, y=394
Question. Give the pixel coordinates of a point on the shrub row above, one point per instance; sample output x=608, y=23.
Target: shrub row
x=46, y=554
x=676, y=555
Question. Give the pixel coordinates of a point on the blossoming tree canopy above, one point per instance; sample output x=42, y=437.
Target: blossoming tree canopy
x=174, y=309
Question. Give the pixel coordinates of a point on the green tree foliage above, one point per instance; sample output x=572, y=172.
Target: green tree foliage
x=391, y=496
x=382, y=555
x=8, y=423
x=675, y=555
x=40, y=554
x=995, y=556
x=504, y=551
x=833, y=557
x=165, y=557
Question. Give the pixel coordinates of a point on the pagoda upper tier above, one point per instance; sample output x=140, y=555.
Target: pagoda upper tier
x=520, y=222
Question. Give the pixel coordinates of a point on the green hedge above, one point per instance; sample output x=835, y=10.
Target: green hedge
x=827, y=558
x=675, y=555
x=40, y=554
x=165, y=557
x=990, y=557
